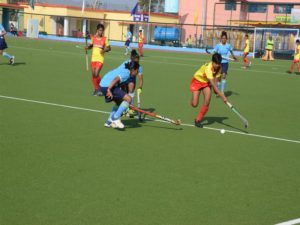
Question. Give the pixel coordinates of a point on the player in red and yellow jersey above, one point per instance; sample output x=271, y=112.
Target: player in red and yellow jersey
x=100, y=45
x=141, y=43
x=247, y=63
x=296, y=57
x=205, y=78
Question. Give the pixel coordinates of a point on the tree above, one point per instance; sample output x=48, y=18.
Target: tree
x=144, y=5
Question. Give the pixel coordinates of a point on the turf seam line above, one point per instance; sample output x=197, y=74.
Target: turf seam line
x=183, y=124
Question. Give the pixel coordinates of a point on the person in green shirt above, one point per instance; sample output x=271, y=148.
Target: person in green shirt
x=269, y=50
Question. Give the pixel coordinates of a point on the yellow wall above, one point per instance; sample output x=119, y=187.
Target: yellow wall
x=114, y=29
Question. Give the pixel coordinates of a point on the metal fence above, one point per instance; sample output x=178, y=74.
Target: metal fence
x=188, y=35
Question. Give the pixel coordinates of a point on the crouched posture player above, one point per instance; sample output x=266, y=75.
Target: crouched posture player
x=111, y=88
x=205, y=78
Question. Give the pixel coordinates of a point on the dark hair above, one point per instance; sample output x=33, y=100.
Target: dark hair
x=216, y=58
x=132, y=65
x=134, y=55
x=100, y=26
x=297, y=41
x=246, y=35
x=224, y=33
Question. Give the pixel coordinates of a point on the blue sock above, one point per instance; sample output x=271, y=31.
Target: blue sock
x=219, y=85
x=113, y=111
x=223, y=84
x=6, y=55
x=122, y=108
x=132, y=97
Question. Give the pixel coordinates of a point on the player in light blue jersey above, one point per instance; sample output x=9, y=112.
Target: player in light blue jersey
x=223, y=48
x=131, y=83
x=3, y=46
x=128, y=40
x=111, y=88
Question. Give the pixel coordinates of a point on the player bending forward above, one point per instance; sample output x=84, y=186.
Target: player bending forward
x=111, y=88
x=205, y=78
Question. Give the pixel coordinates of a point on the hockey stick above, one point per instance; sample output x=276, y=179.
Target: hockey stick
x=244, y=120
x=176, y=122
x=139, y=105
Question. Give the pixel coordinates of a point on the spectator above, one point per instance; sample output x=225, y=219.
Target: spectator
x=13, y=29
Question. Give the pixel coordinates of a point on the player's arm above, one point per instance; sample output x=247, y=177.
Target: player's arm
x=233, y=56
x=106, y=49
x=213, y=83
x=112, y=84
x=90, y=46
x=3, y=32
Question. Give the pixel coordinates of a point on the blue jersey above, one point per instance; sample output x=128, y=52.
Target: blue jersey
x=224, y=50
x=128, y=35
x=2, y=30
x=123, y=73
x=128, y=61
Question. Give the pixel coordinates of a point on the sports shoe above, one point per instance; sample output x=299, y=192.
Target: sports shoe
x=117, y=124
x=108, y=123
x=198, y=124
x=249, y=63
x=12, y=60
x=97, y=93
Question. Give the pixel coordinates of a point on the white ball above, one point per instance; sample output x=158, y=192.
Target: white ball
x=222, y=131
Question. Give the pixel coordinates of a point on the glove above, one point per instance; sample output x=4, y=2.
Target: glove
x=139, y=91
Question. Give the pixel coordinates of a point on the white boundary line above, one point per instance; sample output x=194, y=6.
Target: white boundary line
x=290, y=222
x=184, y=124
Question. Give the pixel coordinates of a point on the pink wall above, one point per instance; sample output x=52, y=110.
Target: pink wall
x=188, y=11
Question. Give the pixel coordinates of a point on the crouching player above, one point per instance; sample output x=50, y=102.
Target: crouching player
x=131, y=83
x=296, y=57
x=111, y=88
x=205, y=78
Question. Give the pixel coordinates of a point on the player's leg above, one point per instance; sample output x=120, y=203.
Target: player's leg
x=292, y=66
x=98, y=77
x=3, y=46
x=95, y=77
x=224, y=75
x=205, y=106
x=271, y=56
x=265, y=57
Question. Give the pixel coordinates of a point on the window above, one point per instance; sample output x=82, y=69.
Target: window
x=283, y=9
x=257, y=8
x=230, y=5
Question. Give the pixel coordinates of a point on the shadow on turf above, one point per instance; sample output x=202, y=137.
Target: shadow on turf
x=229, y=93
x=211, y=120
x=15, y=64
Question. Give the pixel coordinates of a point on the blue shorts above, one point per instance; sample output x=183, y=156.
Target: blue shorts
x=131, y=80
x=3, y=44
x=127, y=43
x=224, y=68
x=117, y=92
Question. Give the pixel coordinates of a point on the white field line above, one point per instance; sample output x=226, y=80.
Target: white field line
x=156, y=62
x=290, y=222
x=184, y=124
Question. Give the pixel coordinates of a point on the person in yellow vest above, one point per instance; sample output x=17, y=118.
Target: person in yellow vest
x=141, y=43
x=189, y=41
x=296, y=57
x=269, y=50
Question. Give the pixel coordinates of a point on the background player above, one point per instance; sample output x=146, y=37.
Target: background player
x=100, y=45
x=141, y=42
x=269, y=50
x=296, y=57
x=223, y=48
x=3, y=46
x=128, y=41
x=111, y=88
x=247, y=62
x=205, y=78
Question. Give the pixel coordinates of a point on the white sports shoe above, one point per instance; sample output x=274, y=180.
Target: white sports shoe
x=117, y=124
x=108, y=123
x=12, y=60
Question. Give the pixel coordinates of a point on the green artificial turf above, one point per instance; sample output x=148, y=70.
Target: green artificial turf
x=61, y=166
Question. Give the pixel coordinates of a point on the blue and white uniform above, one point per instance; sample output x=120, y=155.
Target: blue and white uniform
x=131, y=79
x=224, y=51
x=118, y=93
x=128, y=38
x=3, y=44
